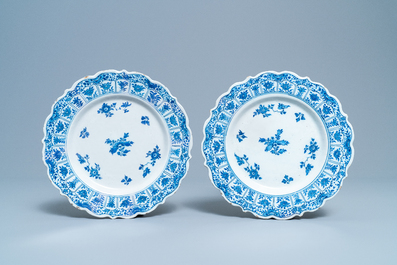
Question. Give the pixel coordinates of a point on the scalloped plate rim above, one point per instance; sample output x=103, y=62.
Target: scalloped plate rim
x=211, y=175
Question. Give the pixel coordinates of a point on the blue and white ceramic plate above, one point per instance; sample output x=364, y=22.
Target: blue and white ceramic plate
x=278, y=145
x=117, y=144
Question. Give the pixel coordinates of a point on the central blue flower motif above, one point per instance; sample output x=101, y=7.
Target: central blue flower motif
x=119, y=146
x=107, y=109
x=273, y=143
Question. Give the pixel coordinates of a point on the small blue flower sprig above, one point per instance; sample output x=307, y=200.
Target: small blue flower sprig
x=126, y=180
x=287, y=179
x=84, y=133
x=300, y=117
x=145, y=120
x=312, y=148
x=240, y=136
x=265, y=110
x=94, y=171
x=108, y=109
x=154, y=156
x=119, y=146
x=253, y=171
x=273, y=143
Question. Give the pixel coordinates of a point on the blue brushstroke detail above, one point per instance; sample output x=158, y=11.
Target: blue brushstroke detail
x=153, y=98
x=240, y=136
x=123, y=85
x=119, y=146
x=84, y=133
x=124, y=107
x=145, y=120
x=265, y=110
x=154, y=156
x=287, y=179
x=94, y=171
x=299, y=117
x=126, y=180
x=252, y=170
x=56, y=132
x=312, y=148
x=108, y=109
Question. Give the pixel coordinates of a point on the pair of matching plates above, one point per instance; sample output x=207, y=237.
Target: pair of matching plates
x=117, y=144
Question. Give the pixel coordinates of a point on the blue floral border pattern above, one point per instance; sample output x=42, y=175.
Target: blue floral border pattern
x=328, y=181
x=74, y=99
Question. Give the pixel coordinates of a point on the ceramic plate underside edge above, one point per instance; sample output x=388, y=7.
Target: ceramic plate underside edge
x=278, y=145
x=117, y=144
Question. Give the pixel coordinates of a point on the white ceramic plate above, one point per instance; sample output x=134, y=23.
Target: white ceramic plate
x=278, y=145
x=117, y=144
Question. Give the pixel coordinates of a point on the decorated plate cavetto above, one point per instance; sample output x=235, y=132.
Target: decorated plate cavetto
x=117, y=144
x=278, y=145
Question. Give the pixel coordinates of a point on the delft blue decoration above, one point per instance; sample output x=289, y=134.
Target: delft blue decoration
x=252, y=170
x=273, y=143
x=154, y=156
x=108, y=109
x=325, y=184
x=145, y=120
x=56, y=130
x=84, y=133
x=240, y=136
x=300, y=117
x=94, y=171
x=265, y=111
x=311, y=149
x=126, y=180
x=120, y=145
x=287, y=179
